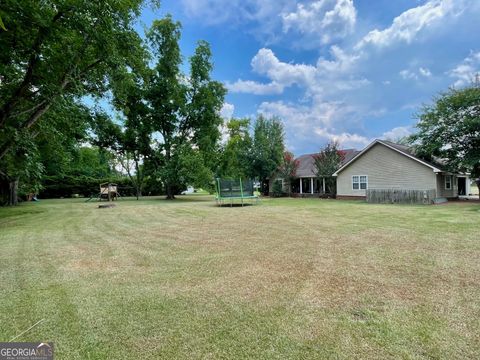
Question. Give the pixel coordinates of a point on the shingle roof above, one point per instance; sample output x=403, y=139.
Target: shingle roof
x=403, y=149
x=306, y=163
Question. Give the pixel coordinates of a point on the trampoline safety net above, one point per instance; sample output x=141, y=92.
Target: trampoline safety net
x=234, y=188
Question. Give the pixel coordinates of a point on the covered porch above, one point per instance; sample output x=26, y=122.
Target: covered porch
x=451, y=186
x=308, y=186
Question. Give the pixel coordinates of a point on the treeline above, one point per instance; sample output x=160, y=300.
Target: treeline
x=252, y=150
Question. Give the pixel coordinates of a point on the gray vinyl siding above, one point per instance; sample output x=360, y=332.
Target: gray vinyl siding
x=442, y=192
x=386, y=169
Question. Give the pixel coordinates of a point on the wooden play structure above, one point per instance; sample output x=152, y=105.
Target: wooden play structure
x=108, y=191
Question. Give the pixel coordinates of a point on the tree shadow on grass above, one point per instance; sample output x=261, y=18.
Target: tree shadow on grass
x=235, y=205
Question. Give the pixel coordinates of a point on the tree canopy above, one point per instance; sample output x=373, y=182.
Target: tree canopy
x=184, y=111
x=169, y=121
x=235, y=153
x=326, y=163
x=267, y=149
x=287, y=169
x=449, y=129
x=52, y=55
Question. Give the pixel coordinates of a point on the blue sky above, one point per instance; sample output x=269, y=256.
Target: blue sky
x=341, y=70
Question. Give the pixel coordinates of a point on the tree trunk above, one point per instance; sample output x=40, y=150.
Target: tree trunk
x=13, y=193
x=168, y=185
x=264, y=186
x=139, y=178
x=477, y=181
x=170, y=194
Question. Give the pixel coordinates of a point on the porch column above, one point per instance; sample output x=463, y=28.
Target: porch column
x=311, y=185
x=301, y=190
x=323, y=180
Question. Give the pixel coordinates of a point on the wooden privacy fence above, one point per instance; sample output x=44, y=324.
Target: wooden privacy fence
x=397, y=196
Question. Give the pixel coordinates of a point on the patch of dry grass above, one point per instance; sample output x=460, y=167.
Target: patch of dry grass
x=290, y=278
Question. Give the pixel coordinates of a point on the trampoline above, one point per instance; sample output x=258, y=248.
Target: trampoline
x=231, y=190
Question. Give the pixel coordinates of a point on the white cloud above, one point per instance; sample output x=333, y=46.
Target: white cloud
x=266, y=63
x=465, y=72
x=300, y=118
x=328, y=19
x=220, y=11
x=407, y=26
x=326, y=77
x=397, y=133
x=415, y=74
x=341, y=61
x=262, y=16
x=407, y=74
x=253, y=87
x=315, y=124
x=227, y=110
x=425, y=72
x=344, y=139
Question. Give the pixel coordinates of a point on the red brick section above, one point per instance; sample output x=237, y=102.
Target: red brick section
x=350, y=197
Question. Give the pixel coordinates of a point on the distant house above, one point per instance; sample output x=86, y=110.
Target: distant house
x=306, y=183
x=386, y=165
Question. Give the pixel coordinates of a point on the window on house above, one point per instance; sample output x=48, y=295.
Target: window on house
x=355, y=182
x=363, y=182
x=359, y=182
x=448, y=182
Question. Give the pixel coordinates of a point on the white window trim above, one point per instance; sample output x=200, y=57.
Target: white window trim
x=359, y=186
x=451, y=182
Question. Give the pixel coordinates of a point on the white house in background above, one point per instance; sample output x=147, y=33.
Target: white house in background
x=386, y=165
x=190, y=190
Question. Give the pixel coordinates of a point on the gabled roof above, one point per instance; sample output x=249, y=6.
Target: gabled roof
x=402, y=149
x=306, y=163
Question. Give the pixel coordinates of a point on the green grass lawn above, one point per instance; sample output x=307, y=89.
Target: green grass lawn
x=289, y=278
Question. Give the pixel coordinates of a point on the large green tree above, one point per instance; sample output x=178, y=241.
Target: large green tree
x=184, y=111
x=267, y=149
x=235, y=162
x=205, y=99
x=327, y=161
x=129, y=143
x=449, y=129
x=130, y=137
x=49, y=151
x=53, y=51
x=166, y=98
x=288, y=169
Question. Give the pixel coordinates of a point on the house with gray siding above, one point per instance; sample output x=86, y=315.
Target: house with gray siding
x=386, y=165
x=306, y=182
